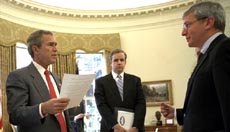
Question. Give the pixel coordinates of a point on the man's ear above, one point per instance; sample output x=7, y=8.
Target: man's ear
x=210, y=22
x=110, y=63
x=34, y=49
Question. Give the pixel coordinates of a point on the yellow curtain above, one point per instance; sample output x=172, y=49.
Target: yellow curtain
x=7, y=64
x=65, y=64
x=107, y=54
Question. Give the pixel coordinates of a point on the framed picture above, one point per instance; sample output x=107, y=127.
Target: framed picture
x=157, y=92
x=169, y=121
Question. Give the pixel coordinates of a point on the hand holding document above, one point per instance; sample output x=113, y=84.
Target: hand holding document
x=125, y=118
x=75, y=87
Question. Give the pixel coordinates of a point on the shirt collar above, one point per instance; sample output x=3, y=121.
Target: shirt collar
x=115, y=75
x=208, y=42
x=40, y=69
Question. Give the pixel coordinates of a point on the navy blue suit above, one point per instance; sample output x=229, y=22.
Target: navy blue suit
x=107, y=98
x=207, y=103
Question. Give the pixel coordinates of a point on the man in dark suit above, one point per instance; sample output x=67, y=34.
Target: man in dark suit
x=77, y=115
x=207, y=102
x=108, y=98
x=29, y=101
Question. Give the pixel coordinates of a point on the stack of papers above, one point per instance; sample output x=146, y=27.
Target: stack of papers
x=75, y=87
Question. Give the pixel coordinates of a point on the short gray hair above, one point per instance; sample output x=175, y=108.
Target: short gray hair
x=205, y=9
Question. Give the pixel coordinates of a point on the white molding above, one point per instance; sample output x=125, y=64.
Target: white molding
x=35, y=15
x=46, y=9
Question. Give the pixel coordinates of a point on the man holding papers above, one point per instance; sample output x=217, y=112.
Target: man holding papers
x=119, y=98
x=32, y=92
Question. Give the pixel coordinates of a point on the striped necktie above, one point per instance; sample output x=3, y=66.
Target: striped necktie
x=120, y=86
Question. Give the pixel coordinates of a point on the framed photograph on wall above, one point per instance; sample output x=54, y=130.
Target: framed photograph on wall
x=157, y=92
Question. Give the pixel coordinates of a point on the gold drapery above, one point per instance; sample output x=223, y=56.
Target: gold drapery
x=107, y=54
x=67, y=45
x=7, y=64
x=65, y=64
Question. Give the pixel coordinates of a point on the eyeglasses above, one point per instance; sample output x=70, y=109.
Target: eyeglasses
x=187, y=25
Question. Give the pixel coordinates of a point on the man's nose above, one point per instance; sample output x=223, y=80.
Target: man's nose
x=184, y=32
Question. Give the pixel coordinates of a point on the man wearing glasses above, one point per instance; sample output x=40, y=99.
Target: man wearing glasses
x=207, y=101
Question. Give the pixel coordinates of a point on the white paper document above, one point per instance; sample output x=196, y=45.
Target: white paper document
x=125, y=119
x=75, y=87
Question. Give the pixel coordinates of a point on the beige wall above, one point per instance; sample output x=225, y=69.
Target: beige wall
x=156, y=50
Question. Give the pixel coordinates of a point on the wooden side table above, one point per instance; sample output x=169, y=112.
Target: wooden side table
x=164, y=128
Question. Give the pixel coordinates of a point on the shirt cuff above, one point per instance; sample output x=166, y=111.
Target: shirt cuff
x=40, y=111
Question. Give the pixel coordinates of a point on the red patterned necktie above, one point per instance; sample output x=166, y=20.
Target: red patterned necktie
x=60, y=117
x=199, y=56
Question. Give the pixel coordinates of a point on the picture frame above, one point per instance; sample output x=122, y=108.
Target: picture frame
x=157, y=92
x=169, y=121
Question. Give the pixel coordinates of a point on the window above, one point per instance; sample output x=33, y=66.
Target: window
x=23, y=57
x=88, y=64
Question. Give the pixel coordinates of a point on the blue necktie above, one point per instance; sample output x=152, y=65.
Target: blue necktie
x=120, y=85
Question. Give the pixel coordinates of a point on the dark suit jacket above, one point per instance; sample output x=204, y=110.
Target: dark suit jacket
x=25, y=91
x=79, y=124
x=107, y=98
x=207, y=102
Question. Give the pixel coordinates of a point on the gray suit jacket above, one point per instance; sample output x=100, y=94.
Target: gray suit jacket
x=25, y=91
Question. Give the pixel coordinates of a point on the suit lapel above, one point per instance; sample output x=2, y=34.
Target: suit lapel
x=39, y=83
x=199, y=64
x=126, y=86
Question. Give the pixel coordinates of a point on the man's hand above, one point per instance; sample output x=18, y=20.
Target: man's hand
x=80, y=116
x=167, y=111
x=118, y=128
x=54, y=106
x=133, y=129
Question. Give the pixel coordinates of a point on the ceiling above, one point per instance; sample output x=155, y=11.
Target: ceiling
x=100, y=4
x=37, y=15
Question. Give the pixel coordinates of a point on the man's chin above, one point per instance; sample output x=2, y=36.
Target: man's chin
x=190, y=45
x=120, y=70
x=53, y=61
